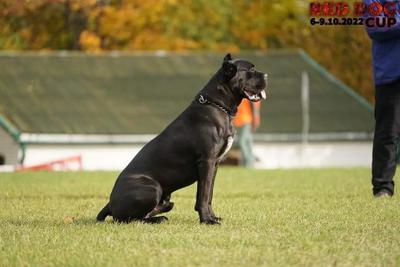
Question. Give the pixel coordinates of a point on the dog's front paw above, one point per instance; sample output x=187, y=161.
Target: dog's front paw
x=218, y=219
x=210, y=221
x=215, y=218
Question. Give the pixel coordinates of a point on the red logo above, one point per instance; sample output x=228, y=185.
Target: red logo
x=340, y=9
x=374, y=15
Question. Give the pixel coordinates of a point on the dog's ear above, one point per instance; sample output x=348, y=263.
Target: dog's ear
x=229, y=69
x=228, y=57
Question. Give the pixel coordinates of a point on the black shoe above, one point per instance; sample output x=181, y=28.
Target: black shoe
x=383, y=193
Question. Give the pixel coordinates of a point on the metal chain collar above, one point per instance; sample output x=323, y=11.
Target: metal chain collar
x=203, y=100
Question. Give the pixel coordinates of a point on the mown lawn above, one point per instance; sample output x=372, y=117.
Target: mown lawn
x=271, y=218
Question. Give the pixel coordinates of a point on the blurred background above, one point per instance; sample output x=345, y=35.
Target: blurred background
x=84, y=84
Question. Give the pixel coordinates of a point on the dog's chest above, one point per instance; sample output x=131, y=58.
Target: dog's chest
x=227, y=146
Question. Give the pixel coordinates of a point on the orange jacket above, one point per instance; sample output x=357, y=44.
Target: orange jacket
x=248, y=112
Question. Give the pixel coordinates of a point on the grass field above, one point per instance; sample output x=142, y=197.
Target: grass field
x=271, y=218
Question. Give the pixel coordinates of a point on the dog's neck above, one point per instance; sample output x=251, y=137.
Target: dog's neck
x=220, y=92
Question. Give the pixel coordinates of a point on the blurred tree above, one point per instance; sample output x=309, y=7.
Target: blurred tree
x=220, y=25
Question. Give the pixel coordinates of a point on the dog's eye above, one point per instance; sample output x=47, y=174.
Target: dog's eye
x=252, y=69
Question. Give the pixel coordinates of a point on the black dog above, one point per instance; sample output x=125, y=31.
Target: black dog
x=188, y=150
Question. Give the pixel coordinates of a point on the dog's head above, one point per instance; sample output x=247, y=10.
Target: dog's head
x=244, y=79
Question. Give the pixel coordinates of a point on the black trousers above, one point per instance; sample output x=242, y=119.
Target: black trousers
x=387, y=132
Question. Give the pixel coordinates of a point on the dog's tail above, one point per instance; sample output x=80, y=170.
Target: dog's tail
x=104, y=213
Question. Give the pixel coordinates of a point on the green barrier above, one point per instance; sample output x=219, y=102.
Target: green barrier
x=141, y=93
x=15, y=134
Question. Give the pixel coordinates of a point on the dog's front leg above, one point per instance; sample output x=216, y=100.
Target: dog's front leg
x=204, y=189
x=212, y=194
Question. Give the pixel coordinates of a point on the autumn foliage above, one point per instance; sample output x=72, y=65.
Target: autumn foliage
x=185, y=25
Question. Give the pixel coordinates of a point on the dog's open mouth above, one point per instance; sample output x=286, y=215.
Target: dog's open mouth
x=255, y=96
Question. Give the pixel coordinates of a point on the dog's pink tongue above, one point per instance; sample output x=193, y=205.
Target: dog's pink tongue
x=263, y=94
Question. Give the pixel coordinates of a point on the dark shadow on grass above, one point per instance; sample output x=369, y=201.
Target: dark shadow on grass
x=70, y=221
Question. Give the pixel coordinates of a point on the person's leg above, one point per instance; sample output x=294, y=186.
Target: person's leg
x=249, y=151
x=241, y=143
x=387, y=128
x=245, y=144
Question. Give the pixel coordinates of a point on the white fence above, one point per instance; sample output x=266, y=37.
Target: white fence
x=270, y=155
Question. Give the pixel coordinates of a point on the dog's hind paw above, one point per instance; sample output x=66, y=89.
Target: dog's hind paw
x=166, y=207
x=158, y=219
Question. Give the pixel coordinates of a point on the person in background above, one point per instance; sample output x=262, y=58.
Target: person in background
x=246, y=122
x=386, y=65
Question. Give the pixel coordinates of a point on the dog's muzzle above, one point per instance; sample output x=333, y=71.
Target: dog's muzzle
x=258, y=96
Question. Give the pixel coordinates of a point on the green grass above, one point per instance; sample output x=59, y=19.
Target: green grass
x=271, y=218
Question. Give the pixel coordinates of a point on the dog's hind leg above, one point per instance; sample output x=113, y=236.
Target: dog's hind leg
x=140, y=195
x=164, y=206
x=104, y=213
